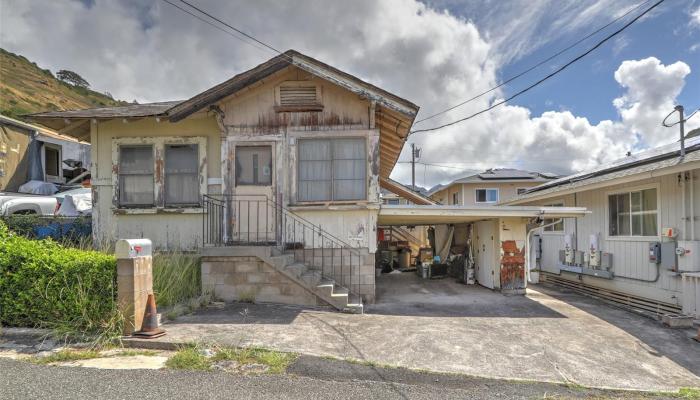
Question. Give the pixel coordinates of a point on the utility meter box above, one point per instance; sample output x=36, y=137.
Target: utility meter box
x=655, y=252
x=606, y=261
x=688, y=255
x=578, y=258
x=668, y=256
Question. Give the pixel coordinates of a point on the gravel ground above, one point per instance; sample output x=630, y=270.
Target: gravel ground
x=308, y=378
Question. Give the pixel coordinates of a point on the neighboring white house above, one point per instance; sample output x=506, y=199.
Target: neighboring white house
x=643, y=212
x=488, y=187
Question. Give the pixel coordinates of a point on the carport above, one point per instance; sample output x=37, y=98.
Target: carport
x=485, y=245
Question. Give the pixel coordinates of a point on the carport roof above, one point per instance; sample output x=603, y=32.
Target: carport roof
x=444, y=214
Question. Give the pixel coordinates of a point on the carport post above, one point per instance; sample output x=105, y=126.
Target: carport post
x=134, y=281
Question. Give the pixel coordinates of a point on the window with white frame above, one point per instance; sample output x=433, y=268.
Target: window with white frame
x=486, y=195
x=136, y=188
x=181, y=175
x=633, y=213
x=332, y=169
x=556, y=227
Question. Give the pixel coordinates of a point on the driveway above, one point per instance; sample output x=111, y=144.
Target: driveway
x=548, y=335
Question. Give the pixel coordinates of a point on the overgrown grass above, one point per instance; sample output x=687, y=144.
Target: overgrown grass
x=66, y=355
x=189, y=358
x=176, y=278
x=277, y=361
x=192, y=358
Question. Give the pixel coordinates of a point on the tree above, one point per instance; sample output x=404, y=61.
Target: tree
x=72, y=78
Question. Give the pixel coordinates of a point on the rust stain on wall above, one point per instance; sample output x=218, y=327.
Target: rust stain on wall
x=512, y=266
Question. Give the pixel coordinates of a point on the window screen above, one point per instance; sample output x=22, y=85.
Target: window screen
x=254, y=165
x=181, y=175
x=633, y=213
x=136, y=176
x=53, y=161
x=332, y=169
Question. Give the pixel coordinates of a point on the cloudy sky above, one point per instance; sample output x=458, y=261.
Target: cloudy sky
x=435, y=53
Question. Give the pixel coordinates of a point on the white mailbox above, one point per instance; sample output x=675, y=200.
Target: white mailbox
x=688, y=255
x=130, y=248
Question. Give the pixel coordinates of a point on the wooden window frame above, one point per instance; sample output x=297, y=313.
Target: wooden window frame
x=297, y=171
x=158, y=143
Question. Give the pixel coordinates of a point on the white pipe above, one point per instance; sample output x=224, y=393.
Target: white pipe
x=692, y=207
x=685, y=212
x=527, y=248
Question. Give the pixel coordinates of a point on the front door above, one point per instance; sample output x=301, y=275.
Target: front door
x=485, y=256
x=252, y=207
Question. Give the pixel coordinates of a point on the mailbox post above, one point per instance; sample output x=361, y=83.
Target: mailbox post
x=134, y=280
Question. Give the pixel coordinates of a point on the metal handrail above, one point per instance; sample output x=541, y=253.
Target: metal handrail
x=215, y=232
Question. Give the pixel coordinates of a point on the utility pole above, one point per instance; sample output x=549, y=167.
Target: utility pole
x=681, y=122
x=679, y=108
x=415, y=153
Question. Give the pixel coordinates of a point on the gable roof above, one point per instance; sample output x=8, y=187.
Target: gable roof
x=393, y=115
x=306, y=63
x=654, y=160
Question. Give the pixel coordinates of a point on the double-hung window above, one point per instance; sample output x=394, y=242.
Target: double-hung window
x=486, y=195
x=633, y=213
x=181, y=175
x=159, y=172
x=136, y=188
x=332, y=169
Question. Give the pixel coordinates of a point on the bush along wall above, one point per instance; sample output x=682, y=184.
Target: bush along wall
x=44, y=284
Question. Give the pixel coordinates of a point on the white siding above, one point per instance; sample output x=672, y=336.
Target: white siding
x=634, y=274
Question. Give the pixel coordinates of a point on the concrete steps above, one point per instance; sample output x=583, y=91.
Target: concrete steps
x=311, y=279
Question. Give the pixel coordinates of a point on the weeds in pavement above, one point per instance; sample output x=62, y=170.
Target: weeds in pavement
x=194, y=357
x=66, y=355
x=190, y=358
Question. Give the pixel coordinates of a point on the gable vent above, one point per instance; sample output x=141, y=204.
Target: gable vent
x=298, y=96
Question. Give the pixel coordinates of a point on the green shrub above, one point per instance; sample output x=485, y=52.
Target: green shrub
x=44, y=284
x=176, y=278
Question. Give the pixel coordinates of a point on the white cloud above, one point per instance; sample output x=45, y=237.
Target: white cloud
x=695, y=17
x=151, y=51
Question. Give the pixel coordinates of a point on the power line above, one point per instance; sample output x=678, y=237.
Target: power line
x=212, y=24
x=518, y=75
x=546, y=77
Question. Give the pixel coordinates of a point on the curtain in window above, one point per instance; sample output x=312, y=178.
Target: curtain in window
x=349, y=169
x=181, y=175
x=332, y=169
x=315, y=163
x=136, y=176
x=633, y=213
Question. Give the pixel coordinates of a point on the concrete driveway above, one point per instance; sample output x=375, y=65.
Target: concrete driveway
x=548, y=335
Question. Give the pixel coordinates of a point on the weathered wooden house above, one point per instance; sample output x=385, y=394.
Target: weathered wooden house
x=291, y=152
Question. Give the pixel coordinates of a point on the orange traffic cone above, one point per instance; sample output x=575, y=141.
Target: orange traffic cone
x=149, y=326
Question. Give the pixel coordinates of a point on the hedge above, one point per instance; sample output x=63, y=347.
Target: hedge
x=44, y=284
